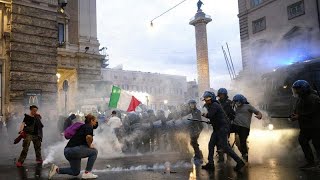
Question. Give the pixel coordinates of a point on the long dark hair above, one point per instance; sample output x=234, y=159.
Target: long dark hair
x=89, y=118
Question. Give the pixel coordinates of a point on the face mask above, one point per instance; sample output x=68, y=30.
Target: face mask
x=96, y=126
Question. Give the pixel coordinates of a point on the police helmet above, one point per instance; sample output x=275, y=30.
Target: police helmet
x=192, y=101
x=302, y=85
x=150, y=111
x=207, y=95
x=239, y=98
x=222, y=91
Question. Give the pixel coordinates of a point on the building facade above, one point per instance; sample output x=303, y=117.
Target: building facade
x=78, y=56
x=278, y=32
x=155, y=90
x=192, y=91
x=41, y=46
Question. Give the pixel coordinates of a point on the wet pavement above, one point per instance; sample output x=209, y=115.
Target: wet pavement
x=269, y=160
x=154, y=167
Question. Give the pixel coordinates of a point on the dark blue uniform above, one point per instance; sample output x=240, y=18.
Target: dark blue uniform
x=220, y=132
x=308, y=110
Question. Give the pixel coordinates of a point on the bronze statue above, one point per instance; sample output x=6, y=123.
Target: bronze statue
x=199, y=4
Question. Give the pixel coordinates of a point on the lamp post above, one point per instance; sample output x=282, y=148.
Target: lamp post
x=147, y=98
x=65, y=87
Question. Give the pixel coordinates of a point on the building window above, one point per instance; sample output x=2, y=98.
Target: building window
x=255, y=3
x=259, y=25
x=295, y=10
x=61, y=34
x=115, y=77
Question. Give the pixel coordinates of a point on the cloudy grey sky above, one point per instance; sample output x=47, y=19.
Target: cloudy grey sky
x=168, y=47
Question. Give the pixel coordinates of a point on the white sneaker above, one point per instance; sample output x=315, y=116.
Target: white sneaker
x=53, y=171
x=89, y=175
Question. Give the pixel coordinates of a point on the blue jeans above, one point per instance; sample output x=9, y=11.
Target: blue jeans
x=219, y=138
x=74, y=156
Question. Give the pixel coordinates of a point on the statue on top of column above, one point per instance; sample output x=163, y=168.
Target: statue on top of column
x=199, y=4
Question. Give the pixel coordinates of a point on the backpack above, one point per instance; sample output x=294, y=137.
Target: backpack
x=72, y=130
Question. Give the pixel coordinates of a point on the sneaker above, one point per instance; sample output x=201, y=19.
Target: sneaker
x=89, y=175
x=239, y=166
x=308, y=166
x=53, y=171
x=39, y=161
x=19, y=164
x=208, y=167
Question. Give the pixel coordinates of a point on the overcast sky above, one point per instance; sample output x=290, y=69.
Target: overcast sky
x=169, y=47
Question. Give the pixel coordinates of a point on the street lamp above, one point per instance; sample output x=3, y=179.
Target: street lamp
x=58, y=76
x=165, y=102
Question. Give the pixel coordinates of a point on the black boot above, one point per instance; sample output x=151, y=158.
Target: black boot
x=245, y=157
x=308, y=166
x=208, y=167
x=239, y=166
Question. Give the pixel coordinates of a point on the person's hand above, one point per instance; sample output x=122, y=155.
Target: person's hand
x=294, y=117
x=92, y=146
x=20, y=132
x=259, y=116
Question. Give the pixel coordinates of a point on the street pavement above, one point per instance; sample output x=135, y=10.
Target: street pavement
x=153, y=166
x=281, y=166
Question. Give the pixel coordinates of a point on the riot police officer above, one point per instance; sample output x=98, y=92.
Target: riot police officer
x=220, y=132
x=241, y=123
x=226, y=104
x=307, y=112
x=195, y=129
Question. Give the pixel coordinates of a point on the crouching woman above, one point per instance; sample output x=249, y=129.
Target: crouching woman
x=80, y=146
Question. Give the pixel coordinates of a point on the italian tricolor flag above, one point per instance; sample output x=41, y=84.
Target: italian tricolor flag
x=122, y=100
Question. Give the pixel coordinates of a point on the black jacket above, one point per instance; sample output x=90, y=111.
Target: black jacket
x=227, y=107
x=33, y=125
x=216, y=116
x=308, y=110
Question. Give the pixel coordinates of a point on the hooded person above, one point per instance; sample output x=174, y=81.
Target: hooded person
x=307, y=113
x=219, y=136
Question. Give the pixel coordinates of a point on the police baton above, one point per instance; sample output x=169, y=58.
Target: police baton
x=280, y=117
x=197, y=120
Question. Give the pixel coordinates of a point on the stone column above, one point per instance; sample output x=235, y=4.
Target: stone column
x=200, y=21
